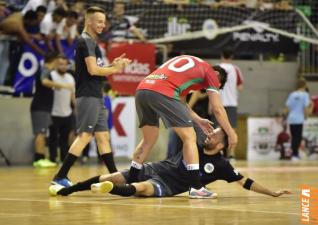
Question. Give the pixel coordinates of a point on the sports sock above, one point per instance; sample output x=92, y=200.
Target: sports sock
x=123, y=190
x=194, y=175
x=108, y=159
x=80, y=186
x=38, y=156
x=134, y=172
x=67, y=164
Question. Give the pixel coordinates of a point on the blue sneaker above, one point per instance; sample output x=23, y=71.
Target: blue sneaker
x=201, y=193
x=65, y=182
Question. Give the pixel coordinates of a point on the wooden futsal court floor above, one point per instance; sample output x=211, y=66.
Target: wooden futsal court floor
x=24, y=200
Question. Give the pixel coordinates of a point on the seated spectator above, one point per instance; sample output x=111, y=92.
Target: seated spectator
x=49, y=25
x=54, y=4
x=14, y=25
x=266, y=4
x=33, y=5
x=284, y=5
x=67, y=30
x=121, y=28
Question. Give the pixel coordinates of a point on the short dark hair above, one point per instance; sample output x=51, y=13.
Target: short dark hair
x=61, y=56
x=301, y=83
x=72, y=14
x=60, y=12
x=30, y=15
x=51, y=56
x=41, y=8
x=222, y=75
x=227, y=53
x=94, y=9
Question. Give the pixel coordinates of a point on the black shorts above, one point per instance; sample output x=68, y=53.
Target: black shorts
x=91, y=115
x=147, y=174
x=151, y=106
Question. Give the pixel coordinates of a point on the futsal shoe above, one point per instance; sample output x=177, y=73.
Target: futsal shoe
x=44, y=163
x=53, y=189
x=65, y=182
x=104, y=187
x=201, y=193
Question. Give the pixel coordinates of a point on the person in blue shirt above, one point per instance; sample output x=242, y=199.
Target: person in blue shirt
x=297, y=107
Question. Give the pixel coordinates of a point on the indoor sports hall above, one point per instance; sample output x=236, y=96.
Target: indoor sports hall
x=158, y=112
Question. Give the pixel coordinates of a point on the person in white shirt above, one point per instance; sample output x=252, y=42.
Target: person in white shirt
x=49, y=25
x=67, y=30
x=62, y=110
x=33, y=5
x=230, y=92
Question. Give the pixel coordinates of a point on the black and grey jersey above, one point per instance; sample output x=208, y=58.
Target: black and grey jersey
x=87, y=85
x=43, y=96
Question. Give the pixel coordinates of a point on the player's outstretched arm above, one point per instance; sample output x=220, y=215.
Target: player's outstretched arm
x=249, y=184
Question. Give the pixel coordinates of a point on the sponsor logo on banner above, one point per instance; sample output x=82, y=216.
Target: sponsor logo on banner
x=30, y=63
x=263, y=134
x=177, y=26
x=143, y=63
x=123, y=134
x=259, y=34
x=308, y=204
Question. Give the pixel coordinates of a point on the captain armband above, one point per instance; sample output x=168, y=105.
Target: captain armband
x=248, y=183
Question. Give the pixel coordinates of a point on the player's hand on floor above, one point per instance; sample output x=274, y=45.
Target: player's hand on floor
x=281, y=192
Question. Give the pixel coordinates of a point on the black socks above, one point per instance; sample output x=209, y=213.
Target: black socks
x=123, y=190
x=67, y=164
x=108, y=159
x=80, y=186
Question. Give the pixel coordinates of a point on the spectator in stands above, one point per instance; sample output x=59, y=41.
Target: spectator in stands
x=120, y=26
x=14, y=24
x=230, y=92
x=284, y=5
x=4, y=11
x=266, y=4
x=49, y=25
x=61, y=110
x=67, y=30
x=33, y=5
x=54, y=4
x=41, y=12
x=297, y=108
x=34, y=29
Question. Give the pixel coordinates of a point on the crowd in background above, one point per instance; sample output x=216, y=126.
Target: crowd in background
x=56, y=21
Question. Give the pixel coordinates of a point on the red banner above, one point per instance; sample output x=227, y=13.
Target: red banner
x=143, y=63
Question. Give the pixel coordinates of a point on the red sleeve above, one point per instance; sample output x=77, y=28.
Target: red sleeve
x=211, y=79
x=239, y=79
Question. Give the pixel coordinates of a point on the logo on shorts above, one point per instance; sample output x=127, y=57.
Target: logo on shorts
x=209, y=168
x=90, y=127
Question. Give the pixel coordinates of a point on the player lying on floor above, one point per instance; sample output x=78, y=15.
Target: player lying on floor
x=168, y=177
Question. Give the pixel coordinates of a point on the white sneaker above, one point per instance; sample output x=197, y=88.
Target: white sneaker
x=295, y=159
x=201, y=193
x=53, y=189
x=104, y=187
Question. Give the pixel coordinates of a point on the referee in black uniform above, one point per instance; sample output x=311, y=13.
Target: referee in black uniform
x=91, y=113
